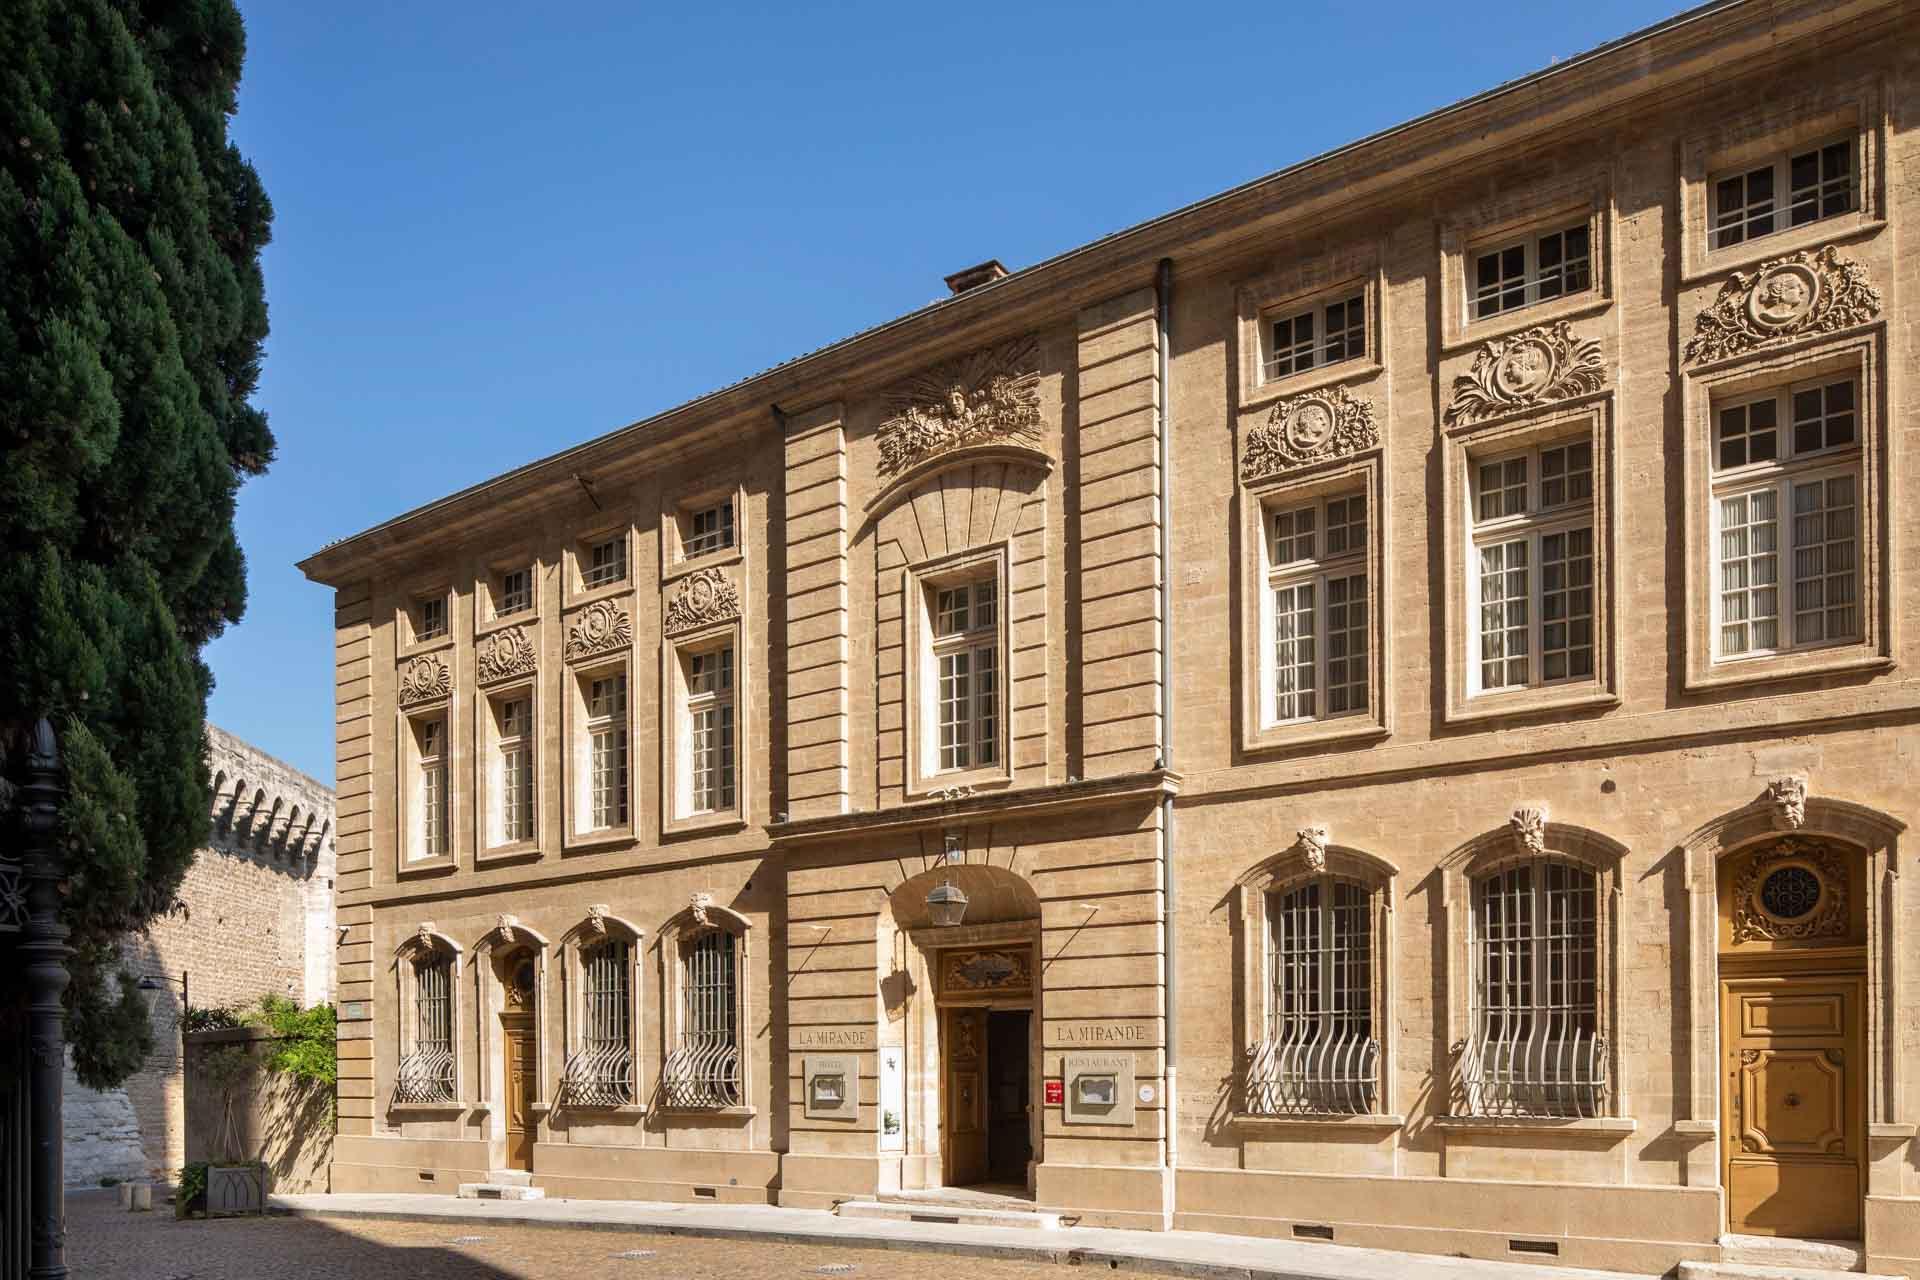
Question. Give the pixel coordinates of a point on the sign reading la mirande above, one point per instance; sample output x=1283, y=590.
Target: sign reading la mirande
x=834, y=1038
x=1140, y=1034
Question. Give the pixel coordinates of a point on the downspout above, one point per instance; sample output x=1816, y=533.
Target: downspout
x=1163, y=301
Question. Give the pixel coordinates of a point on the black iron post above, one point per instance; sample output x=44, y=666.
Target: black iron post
x=45, y=951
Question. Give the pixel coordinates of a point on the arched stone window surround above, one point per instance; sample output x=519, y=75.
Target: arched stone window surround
x=218, y=809
x=253, y=815
x=421, y=944
x=1874, y=837
x=1496, y=850
x=489, y=999
x=574, y=944
x=1252, y=941
x=963, y=458
x=675, y=935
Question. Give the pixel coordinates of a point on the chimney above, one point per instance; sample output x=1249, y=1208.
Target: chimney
x=973, y=277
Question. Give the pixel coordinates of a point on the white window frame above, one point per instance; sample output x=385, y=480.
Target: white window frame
x=504, y=596
x=1789, y=469
x=513, y=780
x=430, y=775
x=615, y=569
x=584, y=722
x=423, y=631
x=1353, y=350
x=1780, y=165
x=983, y=723
x=1317, y=572
x=722, y=795
x=1530, y=527
x=1533, y=276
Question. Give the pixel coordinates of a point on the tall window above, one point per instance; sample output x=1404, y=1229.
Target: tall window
x=430, y=787
x=1317, y=582
x=426, y=1069
x=710, y=729
x=1533, y=584
x=1321, y=335
x=704, y=1068
x=1320, y=1054
x=514, y=593
x=1788, y=191
x=514, y=804
x=606, y=562
x=607, y=749
x=430, y=618
x=599, y=1073
x=966, y=665
x=1533, y=270
x=1792, y=456
x=1535, y=1048
x=708, y=529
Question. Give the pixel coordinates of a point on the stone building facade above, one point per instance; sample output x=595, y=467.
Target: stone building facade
x=258, y=920
x=1399, y=671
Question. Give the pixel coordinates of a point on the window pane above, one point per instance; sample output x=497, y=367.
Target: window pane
x=1823, y=417
x=1503, y=615
x=1824, y=568
x=955, y=698
x=1749, y=572
x=1346, y=644
x=1566, y=605
x=1293, y=651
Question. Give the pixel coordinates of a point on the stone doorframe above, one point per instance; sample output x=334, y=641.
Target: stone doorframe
x=1785, y=807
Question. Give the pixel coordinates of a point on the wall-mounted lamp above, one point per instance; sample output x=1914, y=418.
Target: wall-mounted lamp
x=946, y=904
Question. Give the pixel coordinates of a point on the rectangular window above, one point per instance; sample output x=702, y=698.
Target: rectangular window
x=1317, y=588
x=426, y=1071
x=515, y=593
x=1535, y=270
x=606, y=563
x=1318, y=336
x=966, y=657
x=708, y=529
x=1533, y=568
x=514, y=804
x=607, y=750
x=430, y=618
x=599, y=1073
x=703, y=1070
x=1319, y=1055
x=1808, y=472
x=430, y=738
x=1790, y=190
x=710, y=729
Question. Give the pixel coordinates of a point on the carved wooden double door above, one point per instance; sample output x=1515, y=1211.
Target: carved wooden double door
x=1794, y=1119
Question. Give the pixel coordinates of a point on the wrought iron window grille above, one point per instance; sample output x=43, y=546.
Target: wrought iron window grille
x=599, y=1072
x=426, y=1071
x=1320, y=1055
x=703, y=1071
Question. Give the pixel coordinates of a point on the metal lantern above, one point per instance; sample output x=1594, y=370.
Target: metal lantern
x=946, y=904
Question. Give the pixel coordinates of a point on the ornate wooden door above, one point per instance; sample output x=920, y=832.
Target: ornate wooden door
x=964, y=1046
x=1794, y=1121
x=523, y=1089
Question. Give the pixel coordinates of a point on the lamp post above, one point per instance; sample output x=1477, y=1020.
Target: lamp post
x=160, y=982
x=45, y=951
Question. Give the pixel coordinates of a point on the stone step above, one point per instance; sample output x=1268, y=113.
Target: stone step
x=1771, y=1271
x=510, y=1177
x=500, y=1191
x=896, y=1211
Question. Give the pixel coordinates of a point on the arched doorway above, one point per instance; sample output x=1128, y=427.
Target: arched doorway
x=1792, y=954
x=979, y=1033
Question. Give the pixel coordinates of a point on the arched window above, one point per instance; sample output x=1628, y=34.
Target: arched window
x=600, y=1061
x=426, y=1073
x=703, y=1069
x=1319, y=1054
x=1535, y=1047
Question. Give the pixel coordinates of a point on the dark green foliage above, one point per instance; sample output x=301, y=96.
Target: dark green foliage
x=304, y=1045
x=132, y=313
x=217, y=1017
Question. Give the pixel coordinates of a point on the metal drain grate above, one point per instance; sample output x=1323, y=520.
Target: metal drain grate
x=633, y=1255
x=836, y=1268
x=469, y=1239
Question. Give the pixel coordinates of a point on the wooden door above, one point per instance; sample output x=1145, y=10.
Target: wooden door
x=523, y=1090
x=1794, y=1115
x=963, y=1044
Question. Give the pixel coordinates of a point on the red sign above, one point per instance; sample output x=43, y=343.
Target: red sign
x=1056, y=1093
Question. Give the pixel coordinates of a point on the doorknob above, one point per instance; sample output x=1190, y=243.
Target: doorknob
x=1791, y=1100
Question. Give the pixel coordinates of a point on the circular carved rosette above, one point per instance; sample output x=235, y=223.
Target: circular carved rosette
x=1524, y=369
x=1783, y=297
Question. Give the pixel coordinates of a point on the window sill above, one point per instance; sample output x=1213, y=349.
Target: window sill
x=425, y=866
x=1606, y=1127
x=1327, y=1122
x=1473, y=333
x=1485, y=707
x=1316, y=733
x=413, y=649
x=427, y=1108
x=1892, y=1131
x=704, y=824
x=598, y=841
x=735, y=1115
x=525, y=618
x=589, y=595
x=1790, y=666
x=515, y=852
x=957, y=785
x=706, y=560
x=1263, y=393
x=1696, y=1130
x=1716, y=263
x=602, y=1109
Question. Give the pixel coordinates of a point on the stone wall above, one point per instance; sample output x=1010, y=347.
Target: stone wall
x=275, y=1119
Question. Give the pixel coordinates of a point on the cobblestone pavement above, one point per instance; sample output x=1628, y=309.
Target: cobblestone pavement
x=105, y=1243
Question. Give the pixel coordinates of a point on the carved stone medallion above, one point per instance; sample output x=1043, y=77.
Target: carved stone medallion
x=1306, y=429
x=1793, y=891
x=1529, y=827
x=424, y=679
x=505, y=653
x=599, y=628
x=704, y=597
x=986, y=395
x=1312, y=844
x=1813, y=291
x=1533, y=367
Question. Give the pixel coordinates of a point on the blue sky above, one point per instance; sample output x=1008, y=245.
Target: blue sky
x=503, y=228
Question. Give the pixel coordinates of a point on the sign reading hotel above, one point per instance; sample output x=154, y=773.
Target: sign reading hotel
x=832, y=1038
x=1143, y=1034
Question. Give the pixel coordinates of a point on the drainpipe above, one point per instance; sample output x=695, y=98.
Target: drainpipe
x=1163, y=301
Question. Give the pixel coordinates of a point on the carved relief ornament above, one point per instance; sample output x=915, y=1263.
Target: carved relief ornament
x=1533, y=367
x=1312, y=844
x=1303, y=430
x=1813, y=291
x=988, y=970
x=700, y=903
x=1825, y=914
x=506, y=924
x=599, y=628
x=1788, y=796
x=505, y=653
x=597, y=917
x=704, y=597
x=424, y=679
x=985, y=395
x=1529, y=827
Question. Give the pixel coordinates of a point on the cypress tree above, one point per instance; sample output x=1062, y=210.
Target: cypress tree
x=132, y=314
